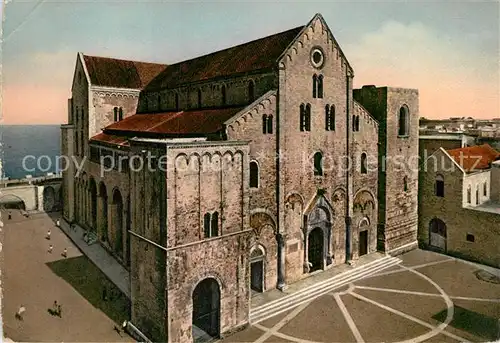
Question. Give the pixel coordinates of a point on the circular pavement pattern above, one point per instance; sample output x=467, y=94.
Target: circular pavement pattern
x=427, y=298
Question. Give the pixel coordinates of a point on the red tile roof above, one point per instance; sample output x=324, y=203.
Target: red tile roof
x=255, y=55
x=112, y=72
x=176, y=123
x=475, y=157
x=111, y=139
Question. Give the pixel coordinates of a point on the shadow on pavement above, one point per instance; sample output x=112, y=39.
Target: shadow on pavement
x=94, y=286
x=473, y=322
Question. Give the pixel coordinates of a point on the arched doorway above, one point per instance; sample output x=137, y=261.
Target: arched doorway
x=206, y=310
x=49, y=198
x=103, y=215
x=93, y=205
x=257, y=257
x=12, y=202
x=363, y=237
x=437, y=234
x=315, y=249
x=117, y=217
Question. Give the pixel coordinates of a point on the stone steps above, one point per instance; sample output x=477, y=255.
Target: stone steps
x=312, y=292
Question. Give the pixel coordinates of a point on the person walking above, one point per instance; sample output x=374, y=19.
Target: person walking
x=58, y=223
x=48, y=235
x=50, y=249
x=20, y=312
x=10, y=215
x=59, y=311
x=65, y=253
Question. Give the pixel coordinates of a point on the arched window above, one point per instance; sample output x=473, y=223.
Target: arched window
x=211, y=224
x=159, y=102
x=214, y=227
x=353, y=123
x=76, y=116
x=315, y=85
x=199, y=98
x=115, y=114
x=357, y=123
x=364, y=166
x=439, y=186
x=330, y=117
x=264, y=123
x=206, y=224
x=120, y=114
x=251, y=91
x=469, y=195
x=270, y=124
x=308, y=117
x=485, y=189
x=223, y=91
x=320, y=86
x=254, y=175
x=405, y=184
x=404, y=118
x=176, y=101
x=477, y=195
x=302, y=117
x=318, y=163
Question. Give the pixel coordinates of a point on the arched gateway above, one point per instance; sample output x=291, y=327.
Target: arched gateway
x=206, y=310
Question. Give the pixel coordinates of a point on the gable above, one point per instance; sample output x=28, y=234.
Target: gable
x=315, y=25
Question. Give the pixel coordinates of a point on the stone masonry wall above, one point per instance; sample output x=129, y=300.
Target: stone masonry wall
x=459, y=221
x=237, y=93
x=398, y=159
x=298, y=184
x=148, y=261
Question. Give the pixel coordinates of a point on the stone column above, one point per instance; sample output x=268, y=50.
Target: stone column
x=281, y=261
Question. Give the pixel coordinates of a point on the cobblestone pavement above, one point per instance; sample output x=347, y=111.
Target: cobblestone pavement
x=35, y=278
x=427, y=298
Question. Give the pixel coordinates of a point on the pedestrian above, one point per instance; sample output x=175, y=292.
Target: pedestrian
x=10, y=215
x=104, y=294
x=58, y=223
x=48, y=235
x=59, y=311
x=50, y=249
x=55, y=306
x=20, y=312
x=65, y=253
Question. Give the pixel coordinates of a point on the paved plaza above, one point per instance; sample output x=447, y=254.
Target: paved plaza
x=35, y=278
x=427, y=298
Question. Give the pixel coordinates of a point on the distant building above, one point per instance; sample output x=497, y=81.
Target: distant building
x=459, y=203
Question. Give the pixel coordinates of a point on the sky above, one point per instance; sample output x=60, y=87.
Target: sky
x=448, y=50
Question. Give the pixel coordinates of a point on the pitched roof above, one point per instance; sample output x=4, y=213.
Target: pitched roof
x=112, y=72
x=255, y=55
x=111, y=139
x=204, y=121
x=475, y=157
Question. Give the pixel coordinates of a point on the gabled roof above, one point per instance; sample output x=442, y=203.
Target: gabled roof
x=475, y=157
x=205, y=121
x=255, y=55
x=112, y=72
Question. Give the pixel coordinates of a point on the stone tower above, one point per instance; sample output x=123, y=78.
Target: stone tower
x=396, y=109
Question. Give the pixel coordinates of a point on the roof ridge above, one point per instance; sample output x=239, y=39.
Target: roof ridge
x=123, y=60
x=237, y=46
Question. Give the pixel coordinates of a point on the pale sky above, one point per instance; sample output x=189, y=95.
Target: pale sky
x=447, y=50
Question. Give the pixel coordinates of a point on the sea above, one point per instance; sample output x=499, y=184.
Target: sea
x=29, y=150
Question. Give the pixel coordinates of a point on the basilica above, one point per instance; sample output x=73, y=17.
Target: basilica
x=237, y=172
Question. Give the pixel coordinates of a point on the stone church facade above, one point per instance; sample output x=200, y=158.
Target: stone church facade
x=236, y=173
